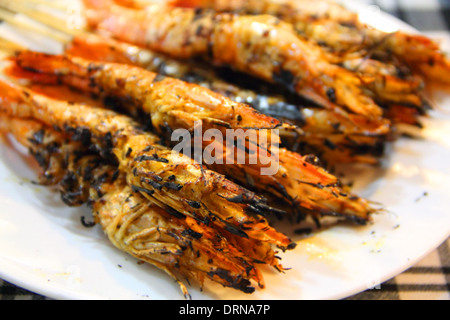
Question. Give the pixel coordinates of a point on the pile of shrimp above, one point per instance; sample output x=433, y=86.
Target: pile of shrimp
x=349, y=87
x=99, y=119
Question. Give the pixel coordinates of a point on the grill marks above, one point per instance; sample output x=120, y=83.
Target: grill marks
x=151, y=158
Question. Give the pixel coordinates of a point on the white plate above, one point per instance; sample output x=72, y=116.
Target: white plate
x=44, y=247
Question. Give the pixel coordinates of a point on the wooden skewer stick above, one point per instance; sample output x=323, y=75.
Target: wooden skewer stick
x=11, y=19
x=51, y=4
x=8, y=47
x=41, y=17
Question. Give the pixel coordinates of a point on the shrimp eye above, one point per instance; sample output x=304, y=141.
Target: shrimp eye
x=331, y=94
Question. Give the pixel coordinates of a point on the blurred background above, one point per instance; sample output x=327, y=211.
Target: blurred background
x=424, y=15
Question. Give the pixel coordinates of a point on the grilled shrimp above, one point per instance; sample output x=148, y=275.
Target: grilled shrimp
x=313, y=10
x=170, y=180
x=324, y=22
x=262, y=46
x=167, y=101
x=181, y=247
x=318, y=125
x=339, y=30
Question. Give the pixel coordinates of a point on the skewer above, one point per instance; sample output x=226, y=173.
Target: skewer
x=11, y=18
x=46, y=19
x=9, y=47
x=50, y=4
